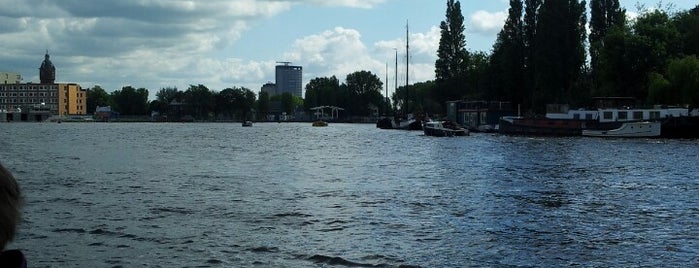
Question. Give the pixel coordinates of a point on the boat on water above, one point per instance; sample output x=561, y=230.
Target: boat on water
x=675, y=122
x=247, y=123
x=410, y=122
x=641, y=129
x=320, y=123
x=406, y=123
x=444, y=129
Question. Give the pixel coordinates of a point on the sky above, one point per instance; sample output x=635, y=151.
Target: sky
x=155, y=44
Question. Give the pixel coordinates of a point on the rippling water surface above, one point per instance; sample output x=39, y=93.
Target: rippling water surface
x=291, y=195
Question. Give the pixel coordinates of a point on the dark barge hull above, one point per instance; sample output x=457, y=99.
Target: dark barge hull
x=544, y=127
x=680, y=128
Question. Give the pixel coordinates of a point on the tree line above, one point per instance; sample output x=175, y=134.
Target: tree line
x=359, y=96
x=542, y=55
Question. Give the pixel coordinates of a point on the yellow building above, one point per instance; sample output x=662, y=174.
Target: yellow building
x=72, y=100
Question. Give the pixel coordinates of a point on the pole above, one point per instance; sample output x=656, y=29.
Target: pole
x=407, y=64
x=395, y=85
x=388, y=104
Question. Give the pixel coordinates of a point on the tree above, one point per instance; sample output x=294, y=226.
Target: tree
x=289, y=102
x=660, y=38
x=631, y=54
x=321, y=91
x=263, y=103
x=683, y=75
x=97, y=96
x=507, y=60
x=604, y=14
x=452, y=56
x=419, y=97
x=131, y=101
x=476, y=78
x=169, y=94
x=164, y=97
x=200, y=100
x=365, y=91
x=620, y=71
x=687, y=24
x=236, y=102
x=559, y=52
x=529, y=25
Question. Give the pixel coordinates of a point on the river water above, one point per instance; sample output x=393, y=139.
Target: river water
x=291, y=195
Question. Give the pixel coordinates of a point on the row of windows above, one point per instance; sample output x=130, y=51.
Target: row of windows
x=623, y=115
x=26, y=87
x=25, y=100
x=12, y=107
x=28, y=94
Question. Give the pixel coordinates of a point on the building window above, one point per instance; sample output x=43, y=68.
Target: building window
x=607, y=115
x=638, y=115
x=623, y=115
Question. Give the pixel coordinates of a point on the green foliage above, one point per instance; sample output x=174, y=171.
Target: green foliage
x=452, y=57
x=604, y=15
x=289, y=102
x=660, y=39
x=507, y=61
x=97, y=96
x=235, y=102
x=559, y=53
x=659, y=90
x=687, y=25
x=529, y=26
x=263, y=103
x=199, y=100
x=322, y=91
x=364, y=90
x=419, y=98
x=683, y=75
x=131, y=101
x=168, y=94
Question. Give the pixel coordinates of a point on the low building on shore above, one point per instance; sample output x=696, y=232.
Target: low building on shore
x=39, y=101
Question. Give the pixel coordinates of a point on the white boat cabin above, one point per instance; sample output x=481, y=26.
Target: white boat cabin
x=619, y=115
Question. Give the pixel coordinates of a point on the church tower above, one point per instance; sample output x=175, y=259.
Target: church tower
x=47, y=72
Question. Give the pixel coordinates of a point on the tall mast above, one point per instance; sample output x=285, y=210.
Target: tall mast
x=386, y=88
x=395, y=85
x=407, y=65
x=407, y=53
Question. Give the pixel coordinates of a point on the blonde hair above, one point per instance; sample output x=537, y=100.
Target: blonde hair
x=10, y=206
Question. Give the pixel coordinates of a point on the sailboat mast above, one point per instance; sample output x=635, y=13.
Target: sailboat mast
x=388, y=103
x=395, y=85
x=407, y=65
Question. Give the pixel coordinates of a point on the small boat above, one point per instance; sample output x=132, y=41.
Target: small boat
x=443, y=129
x=641, y=129
x=320, y=123
x=247, y=123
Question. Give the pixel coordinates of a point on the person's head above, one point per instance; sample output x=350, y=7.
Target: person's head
x=10, y=205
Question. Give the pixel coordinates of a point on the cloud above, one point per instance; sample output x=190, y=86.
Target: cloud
x=164, y=43
x=341, y=51
x=488, y=23
x=336, y=52
x=348, y=3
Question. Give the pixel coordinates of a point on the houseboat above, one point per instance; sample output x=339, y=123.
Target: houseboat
x=675, y=122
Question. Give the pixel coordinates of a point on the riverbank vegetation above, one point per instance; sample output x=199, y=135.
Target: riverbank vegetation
x=547, y=52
